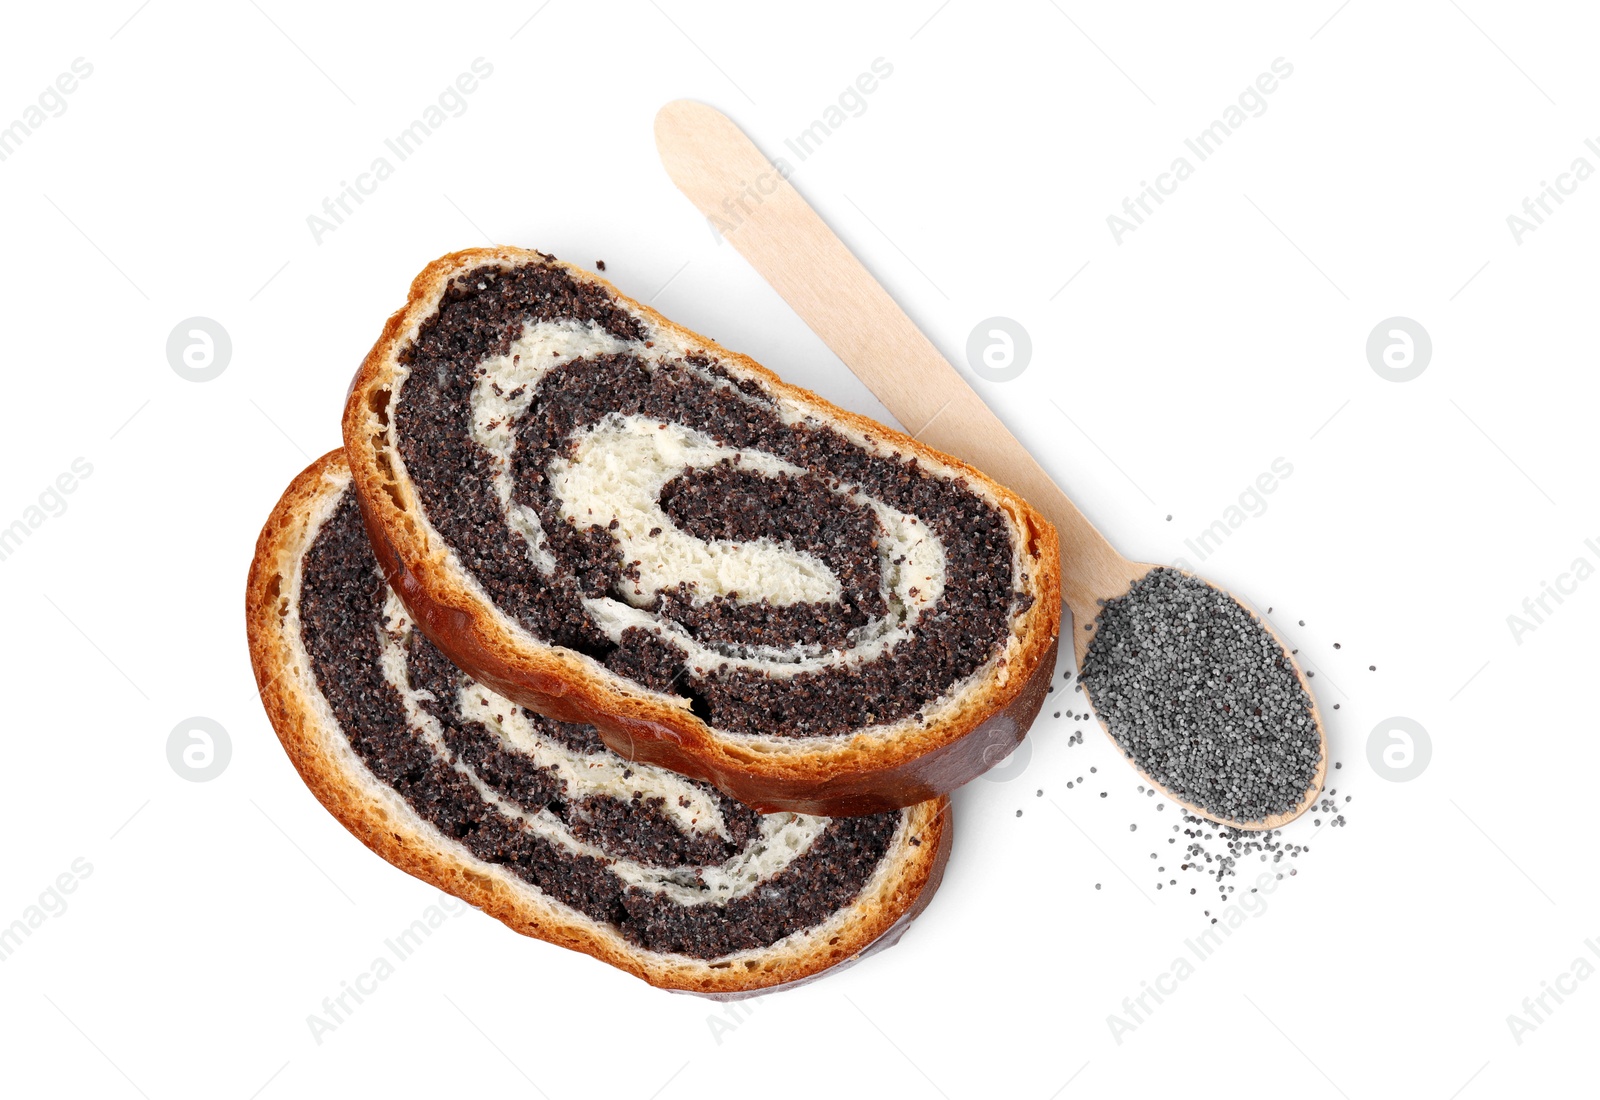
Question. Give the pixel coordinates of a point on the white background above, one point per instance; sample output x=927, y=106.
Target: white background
x=1227, y=331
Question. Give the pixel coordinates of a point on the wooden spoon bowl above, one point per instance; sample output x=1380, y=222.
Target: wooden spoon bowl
x=1112, y=578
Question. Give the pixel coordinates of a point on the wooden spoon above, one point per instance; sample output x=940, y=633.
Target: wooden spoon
x=750, y=201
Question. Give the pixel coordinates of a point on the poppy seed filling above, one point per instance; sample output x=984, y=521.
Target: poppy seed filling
x=625, y=495
x=670, y=863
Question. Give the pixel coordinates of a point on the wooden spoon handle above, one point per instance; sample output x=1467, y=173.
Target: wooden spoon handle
x=763, y=216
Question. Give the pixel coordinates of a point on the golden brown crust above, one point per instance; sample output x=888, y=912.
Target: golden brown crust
x=862, y=775
x=294, y=705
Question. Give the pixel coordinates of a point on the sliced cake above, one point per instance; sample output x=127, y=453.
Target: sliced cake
x=534, y=820
x=612, y=520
